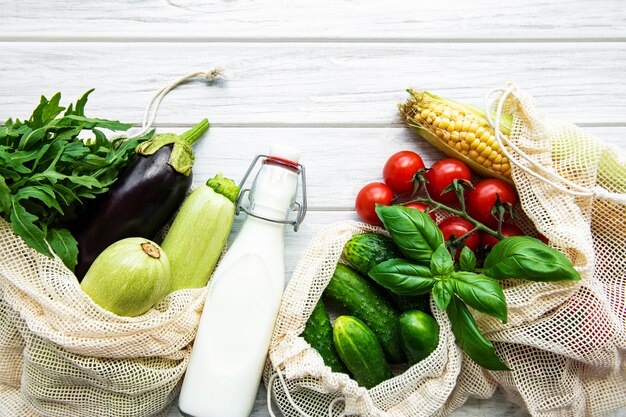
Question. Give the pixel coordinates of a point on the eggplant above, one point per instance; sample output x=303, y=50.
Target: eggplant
x=143, y=199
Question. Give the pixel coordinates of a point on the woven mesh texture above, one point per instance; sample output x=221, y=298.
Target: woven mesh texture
x=565, y=342
x=63, y=355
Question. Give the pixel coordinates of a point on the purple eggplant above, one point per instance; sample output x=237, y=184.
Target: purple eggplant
x=143, y=199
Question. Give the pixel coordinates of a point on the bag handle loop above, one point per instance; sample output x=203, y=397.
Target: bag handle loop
x=542, y=173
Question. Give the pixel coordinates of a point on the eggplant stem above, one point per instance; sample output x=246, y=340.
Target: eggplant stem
x=193, y=134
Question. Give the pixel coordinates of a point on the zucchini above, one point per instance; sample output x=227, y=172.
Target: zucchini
x=359, y=348
x=360, y=297
x=198, y=234
x=319, y=334
x=419, y=333
x=365, y=251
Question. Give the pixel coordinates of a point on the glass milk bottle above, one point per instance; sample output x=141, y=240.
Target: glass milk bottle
x=244, y=296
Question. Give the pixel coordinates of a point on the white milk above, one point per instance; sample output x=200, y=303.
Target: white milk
x=244, y=296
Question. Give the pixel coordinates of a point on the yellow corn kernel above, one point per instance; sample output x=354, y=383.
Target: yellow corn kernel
x=458, y=130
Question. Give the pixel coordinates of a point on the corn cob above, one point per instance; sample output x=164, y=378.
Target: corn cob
x=459, y=131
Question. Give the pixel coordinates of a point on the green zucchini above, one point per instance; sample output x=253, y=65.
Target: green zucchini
x=360, y=297
x=419, y=333
x=365, y=251
x=319, y=334
x=198, y=234
x=359, y=348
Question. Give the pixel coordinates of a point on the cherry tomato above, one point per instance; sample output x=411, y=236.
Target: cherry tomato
x=481, y=199
x=421, y=207
x=441, y=175
x=508, y=230
x=458, y=227
x=368, y=197
x=400, y=169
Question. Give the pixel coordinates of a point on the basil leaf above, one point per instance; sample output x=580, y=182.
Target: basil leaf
x=524, y=257
x=480, y=292
x=469, y=338
x=402, y=277
x=441, y=263
x=64, y=245
x=415, y=233
x=24, y=226
x=467, y=259
x=443, y=292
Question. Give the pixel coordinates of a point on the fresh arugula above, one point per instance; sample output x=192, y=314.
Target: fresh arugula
x=47, y=172
x=431, y=268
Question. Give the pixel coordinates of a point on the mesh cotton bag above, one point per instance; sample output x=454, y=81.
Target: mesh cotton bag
x=565, y=342
x=62, y=355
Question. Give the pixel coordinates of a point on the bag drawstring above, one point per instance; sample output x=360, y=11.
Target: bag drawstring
x=150, y=113
x=543, y=173
x=270, y=386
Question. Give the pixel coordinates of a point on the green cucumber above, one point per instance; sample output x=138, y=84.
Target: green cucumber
x=359, y=348
x=365, y=251
x=195, y=240
x=319, y=334
x=360, y=297
x=419, y=333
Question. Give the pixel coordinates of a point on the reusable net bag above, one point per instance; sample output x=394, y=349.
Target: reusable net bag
x=565, y=342
x=62, y=355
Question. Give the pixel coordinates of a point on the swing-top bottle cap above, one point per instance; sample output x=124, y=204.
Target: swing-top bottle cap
x=285, y=152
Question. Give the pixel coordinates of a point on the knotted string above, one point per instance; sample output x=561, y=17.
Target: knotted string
x=150, y=113
x=542, y=173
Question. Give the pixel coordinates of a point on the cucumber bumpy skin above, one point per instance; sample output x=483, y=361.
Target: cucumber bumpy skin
x=362, y=299
x=365, y=251
x=319, y=334
x=359, y=349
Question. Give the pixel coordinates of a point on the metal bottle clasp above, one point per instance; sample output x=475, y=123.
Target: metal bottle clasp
x=296, y=206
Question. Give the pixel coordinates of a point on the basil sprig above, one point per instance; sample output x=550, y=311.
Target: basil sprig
x=430, y=268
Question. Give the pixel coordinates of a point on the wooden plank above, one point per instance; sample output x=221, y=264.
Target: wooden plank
x=338, y=161
x=325, y=19
x=312, y=84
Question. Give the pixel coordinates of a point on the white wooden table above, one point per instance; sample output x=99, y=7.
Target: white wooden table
x=324, y=76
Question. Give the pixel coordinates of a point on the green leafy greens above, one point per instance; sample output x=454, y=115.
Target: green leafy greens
x=430, y=268
x=47, y=172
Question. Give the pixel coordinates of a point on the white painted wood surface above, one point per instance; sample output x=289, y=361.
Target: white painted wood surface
x=324, y=76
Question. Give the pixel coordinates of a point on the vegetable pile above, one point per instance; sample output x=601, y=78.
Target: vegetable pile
x=98, y=204
x=47, y=172
x=459, y=262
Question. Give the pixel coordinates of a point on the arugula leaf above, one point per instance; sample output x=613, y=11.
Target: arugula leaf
x=443, y=292
x=24, y=226
x=415, y=233
x=480, y=292
x=524, y=257
x=47, y=172
x=468, y=336
x=402, y=277
x=64, y=245
x=441, y=263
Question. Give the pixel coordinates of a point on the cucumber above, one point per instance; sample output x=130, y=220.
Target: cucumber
x=365, y=251
x=359, y=348
x=319, y=334
x=361, y=298
x=419, y=333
